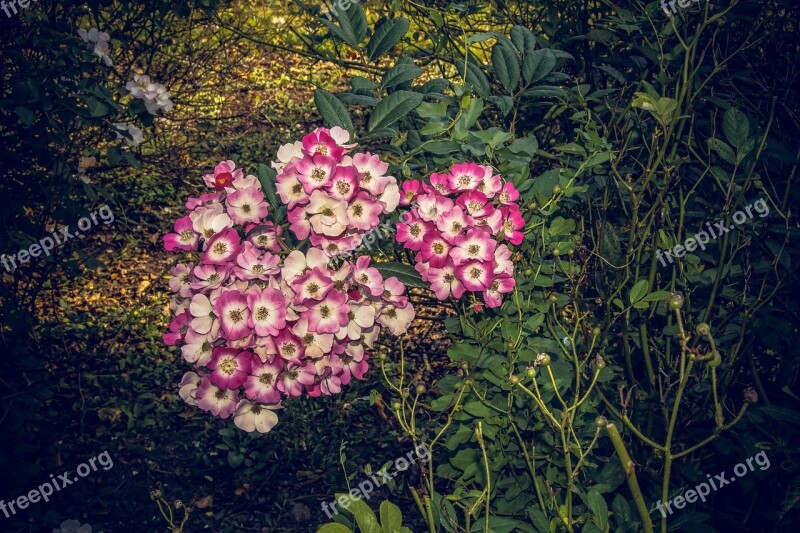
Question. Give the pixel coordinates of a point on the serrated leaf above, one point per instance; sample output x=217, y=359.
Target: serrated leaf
x=443, y=147
x=400, y=73
x=332, y=110
x=386, y=36
x=475, y=77
x=267, y=178
x=546, y=91
x=391, y=517
x=352, y=27
x=393, y=108
x=735, y=127
x=724, y=151
x=506, y=66
x=365, y=518
x=638, y=290
x=656, y=296
x=537, y=65
x=539, y=520
x=523, y=39
x=599, y=509
x=406, y=274
x=380, y=133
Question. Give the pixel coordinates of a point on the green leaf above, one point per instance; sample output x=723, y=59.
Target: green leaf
x=393, y=108
x=463, y=351
x=352, y=26
x=539, y=520
x=781, y=414
x=432, y=110
x=656, y=296
x=523, y=39
x=599, y=509
x=506, y=66
x=25, y=115
x=391, y=517
x=443, y=147
x=638, y=290
x=380, y=133
x=333, y=527
x=267, y=177
x=537, y=65
x=724, y=151
x=596, y=159
x=97, y=109
x=736, y=127
x=475, y=77
x=470, y=114
x=365, y=518
x=235, y=459
x=386, y=36
x=622, y=511
x=400, y=73
x=546, y=91
x=406, y=274
x=332, y=110
x=527, y=145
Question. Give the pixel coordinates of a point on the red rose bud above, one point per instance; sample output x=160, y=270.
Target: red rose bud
x=224, y=179
x=477, y=307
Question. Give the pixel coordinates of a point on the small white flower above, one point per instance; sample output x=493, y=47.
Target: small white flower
x=139, y=85
x=286, y=153
x=100, y=40
x=135, y=135
x=255, y=416
x=73, y=526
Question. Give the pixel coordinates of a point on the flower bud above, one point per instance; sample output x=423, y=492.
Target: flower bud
x=675, y=302
x=750, y=395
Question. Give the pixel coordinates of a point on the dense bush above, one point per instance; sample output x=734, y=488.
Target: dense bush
x=643, y=148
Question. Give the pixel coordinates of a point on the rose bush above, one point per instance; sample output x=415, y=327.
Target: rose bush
x=261, y=322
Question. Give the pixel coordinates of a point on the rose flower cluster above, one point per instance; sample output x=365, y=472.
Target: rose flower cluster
x=261, y=323
x=333, y=198
x=457, y=227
